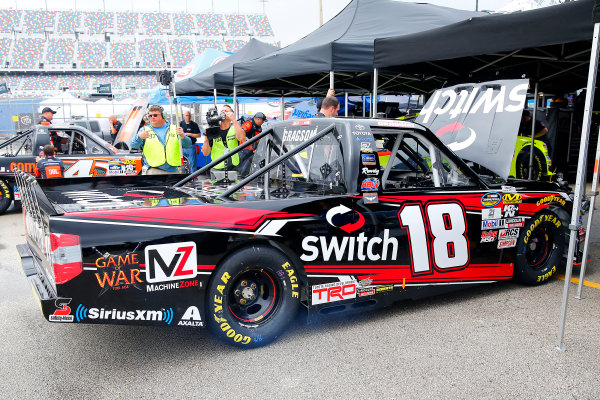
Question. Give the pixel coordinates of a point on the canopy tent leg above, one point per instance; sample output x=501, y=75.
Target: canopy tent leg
x=331, y=79
x=533, y=119
x=588, y=230
x=580, y=183
x=282, y=107
x=364, y=101
x=374, y=99
x=235, y=103
x=345, y=104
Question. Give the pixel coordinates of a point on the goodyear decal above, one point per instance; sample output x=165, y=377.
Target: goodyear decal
x=551, y=199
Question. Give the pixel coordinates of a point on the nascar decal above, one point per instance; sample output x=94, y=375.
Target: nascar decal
x=368, y=159
x=490, y=199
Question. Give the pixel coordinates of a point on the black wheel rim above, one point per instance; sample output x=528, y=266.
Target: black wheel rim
x=254, y=296
x=538, y=249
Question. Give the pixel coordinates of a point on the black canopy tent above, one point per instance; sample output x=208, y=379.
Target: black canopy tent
x=343, y=46
x=550, y=45
x=556, y=47
x=220, y=75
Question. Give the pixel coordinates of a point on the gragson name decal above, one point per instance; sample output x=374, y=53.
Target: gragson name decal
x=436, y=234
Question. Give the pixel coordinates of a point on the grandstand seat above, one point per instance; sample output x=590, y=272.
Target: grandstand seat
x=122, y=54
x=236, y=24
x=234, y=45
x=99, y=22
x=27, y=52
x=151, y=53
x=91, y=54
x=34, y=21
x=260, y=25
x=60, y=51
x=9, y=20
x=182, y=52
x=211, y=24
x=68, y=22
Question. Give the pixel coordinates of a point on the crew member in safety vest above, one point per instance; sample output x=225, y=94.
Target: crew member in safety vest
x=159, y=141
x=229, y=137
x=115, y=125
x=49, y=167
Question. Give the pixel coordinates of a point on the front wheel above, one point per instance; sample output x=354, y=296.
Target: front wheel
x=252, y=297
x=538, y=168
x=539, y=248
x=6, y=196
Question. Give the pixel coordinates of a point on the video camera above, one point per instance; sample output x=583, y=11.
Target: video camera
x=164, y=77
x=213, y=119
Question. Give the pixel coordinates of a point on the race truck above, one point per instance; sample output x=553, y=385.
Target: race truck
x=83, y=153
x=319, y=223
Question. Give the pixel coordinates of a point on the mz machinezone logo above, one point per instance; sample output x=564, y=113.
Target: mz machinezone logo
x=171, y=262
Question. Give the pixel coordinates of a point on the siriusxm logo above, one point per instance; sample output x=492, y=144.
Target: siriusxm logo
x=83, y=312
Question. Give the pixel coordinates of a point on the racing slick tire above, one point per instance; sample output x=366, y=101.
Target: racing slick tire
x=252, y=297
x=6, y=196
x=539, y=249
x=522, y=164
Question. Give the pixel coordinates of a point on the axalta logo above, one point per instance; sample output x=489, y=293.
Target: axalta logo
x=461, y=141
x=164, y=315
x=191, y=317
x=349, y=247
x=171, y=262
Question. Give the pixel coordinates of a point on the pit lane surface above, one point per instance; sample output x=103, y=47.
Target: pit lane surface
x=493, y=341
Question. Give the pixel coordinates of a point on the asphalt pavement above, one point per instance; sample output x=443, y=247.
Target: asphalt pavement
x=496, y=341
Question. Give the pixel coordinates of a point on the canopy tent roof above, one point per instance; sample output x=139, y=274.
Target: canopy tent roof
x=343, y=45
x=550, y=45
x=220, y=76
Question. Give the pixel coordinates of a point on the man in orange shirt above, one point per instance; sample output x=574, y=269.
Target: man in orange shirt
x=49, y=167
x=47, y=115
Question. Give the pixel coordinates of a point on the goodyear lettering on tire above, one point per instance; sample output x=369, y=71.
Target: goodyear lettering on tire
x=542, y=218
x=218, y=310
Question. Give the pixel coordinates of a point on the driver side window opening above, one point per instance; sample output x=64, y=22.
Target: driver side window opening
x=409, y=160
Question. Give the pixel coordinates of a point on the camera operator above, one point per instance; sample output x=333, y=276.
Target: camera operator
x=224, y=137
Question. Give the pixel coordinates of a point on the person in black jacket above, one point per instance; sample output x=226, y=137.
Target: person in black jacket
x=192, y=130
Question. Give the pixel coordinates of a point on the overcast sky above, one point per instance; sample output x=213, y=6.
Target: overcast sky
x=290, y=19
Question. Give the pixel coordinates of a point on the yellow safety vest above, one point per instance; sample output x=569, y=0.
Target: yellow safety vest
x=156, y=153
x=218, y=148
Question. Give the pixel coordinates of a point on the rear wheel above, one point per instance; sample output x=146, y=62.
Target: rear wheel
x=538, y=168
x=6, y=196
x=252, y=297
x=539, y=249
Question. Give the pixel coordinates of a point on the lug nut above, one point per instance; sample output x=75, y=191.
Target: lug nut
x=237, y=292
x=253, y=286
x=243, y=283
x=242, y=301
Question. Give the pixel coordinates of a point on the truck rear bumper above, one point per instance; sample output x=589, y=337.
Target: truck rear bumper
x=39, y=283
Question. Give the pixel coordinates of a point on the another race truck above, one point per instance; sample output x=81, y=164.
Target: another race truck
x=83, y=153
x=320, y=223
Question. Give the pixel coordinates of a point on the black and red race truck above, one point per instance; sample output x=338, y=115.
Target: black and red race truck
x=83, y=153
x=336, y=215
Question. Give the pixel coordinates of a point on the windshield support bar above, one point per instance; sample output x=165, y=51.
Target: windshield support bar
x=276, y=162
x=224, y=157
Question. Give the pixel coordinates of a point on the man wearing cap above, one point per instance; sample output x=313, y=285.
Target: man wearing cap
x=49, y=167
x=252, y=128
x=47, y=115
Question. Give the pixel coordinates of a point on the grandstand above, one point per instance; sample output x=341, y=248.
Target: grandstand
x=45, y=51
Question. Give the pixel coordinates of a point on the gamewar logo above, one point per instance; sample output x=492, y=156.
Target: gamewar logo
x=118, y=272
